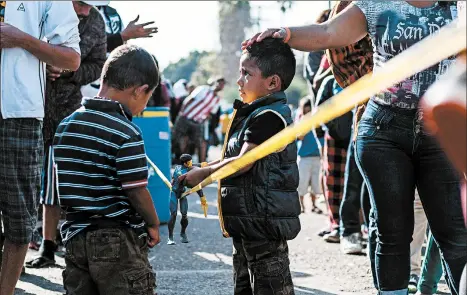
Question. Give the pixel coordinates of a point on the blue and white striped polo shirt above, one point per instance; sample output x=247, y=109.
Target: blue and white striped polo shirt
x=97, y=154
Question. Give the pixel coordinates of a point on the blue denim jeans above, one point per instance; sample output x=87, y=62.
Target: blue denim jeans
x=355, y=197
x=395, y=155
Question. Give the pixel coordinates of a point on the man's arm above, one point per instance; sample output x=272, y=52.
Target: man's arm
x=346, y=28
x=60, y=28
x=56, y=55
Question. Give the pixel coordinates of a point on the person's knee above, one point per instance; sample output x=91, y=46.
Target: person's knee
x=393, y=242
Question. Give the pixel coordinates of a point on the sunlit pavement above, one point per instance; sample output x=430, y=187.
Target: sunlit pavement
x=204, y=266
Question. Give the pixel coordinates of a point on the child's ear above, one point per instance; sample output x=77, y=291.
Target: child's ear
x=140, y=90
x=275, y=83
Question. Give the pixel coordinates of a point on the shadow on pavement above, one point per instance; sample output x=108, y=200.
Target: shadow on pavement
x=304, y=291
x=41, y=282
x=296, y=274
x=22, y=292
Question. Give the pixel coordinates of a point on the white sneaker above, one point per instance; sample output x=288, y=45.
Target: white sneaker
x=351, y=244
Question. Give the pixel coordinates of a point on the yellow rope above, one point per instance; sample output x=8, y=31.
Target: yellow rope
x=159, y=173
x=447, y=42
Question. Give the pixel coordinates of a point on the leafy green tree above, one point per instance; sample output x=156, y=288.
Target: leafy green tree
x=185, y=67
x=208, y=66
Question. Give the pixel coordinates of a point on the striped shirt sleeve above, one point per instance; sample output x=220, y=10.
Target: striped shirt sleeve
x=131, y=163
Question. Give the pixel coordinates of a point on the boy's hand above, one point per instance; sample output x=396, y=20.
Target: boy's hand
x=154, y=238
x=194, y=176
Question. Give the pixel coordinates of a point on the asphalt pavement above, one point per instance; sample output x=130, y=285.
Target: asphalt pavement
x=204, y=266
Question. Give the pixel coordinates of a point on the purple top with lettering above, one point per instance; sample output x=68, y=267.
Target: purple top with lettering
x=395, y=26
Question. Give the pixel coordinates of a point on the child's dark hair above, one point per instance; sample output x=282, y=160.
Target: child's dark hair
x=274, y=57
x=130, y=66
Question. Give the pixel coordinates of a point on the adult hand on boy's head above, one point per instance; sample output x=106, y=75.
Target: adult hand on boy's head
x=154, y=238
x=279, y=33
x=194, y=176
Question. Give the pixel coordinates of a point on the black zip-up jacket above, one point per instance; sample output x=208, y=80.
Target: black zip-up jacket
x=263, y=203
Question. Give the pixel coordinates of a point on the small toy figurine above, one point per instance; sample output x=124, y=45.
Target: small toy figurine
x=177, y=191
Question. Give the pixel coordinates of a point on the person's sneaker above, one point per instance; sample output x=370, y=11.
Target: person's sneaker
x=170, y=241
x=184, y=238
x=332, y=237
x=351, y=244
x=413, y=282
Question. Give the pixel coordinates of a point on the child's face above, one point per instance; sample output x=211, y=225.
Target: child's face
x=251, y=83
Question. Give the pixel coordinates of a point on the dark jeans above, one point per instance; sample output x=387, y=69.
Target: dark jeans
x=355, y=197
x=108, y=261
x=395, y=155
x=261, y=268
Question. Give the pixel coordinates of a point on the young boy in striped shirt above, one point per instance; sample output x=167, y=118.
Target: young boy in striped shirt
x=101, y=174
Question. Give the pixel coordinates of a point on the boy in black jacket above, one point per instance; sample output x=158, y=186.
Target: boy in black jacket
x=259, y=205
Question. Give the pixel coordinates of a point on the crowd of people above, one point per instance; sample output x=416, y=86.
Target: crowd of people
x=390, y=171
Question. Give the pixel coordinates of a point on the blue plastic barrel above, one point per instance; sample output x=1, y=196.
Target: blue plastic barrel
x=154, y=123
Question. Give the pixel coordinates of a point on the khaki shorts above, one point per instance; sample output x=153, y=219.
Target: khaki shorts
x=309, y=169
x=108, y=261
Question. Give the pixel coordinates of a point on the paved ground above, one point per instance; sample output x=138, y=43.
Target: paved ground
x=203, y=267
